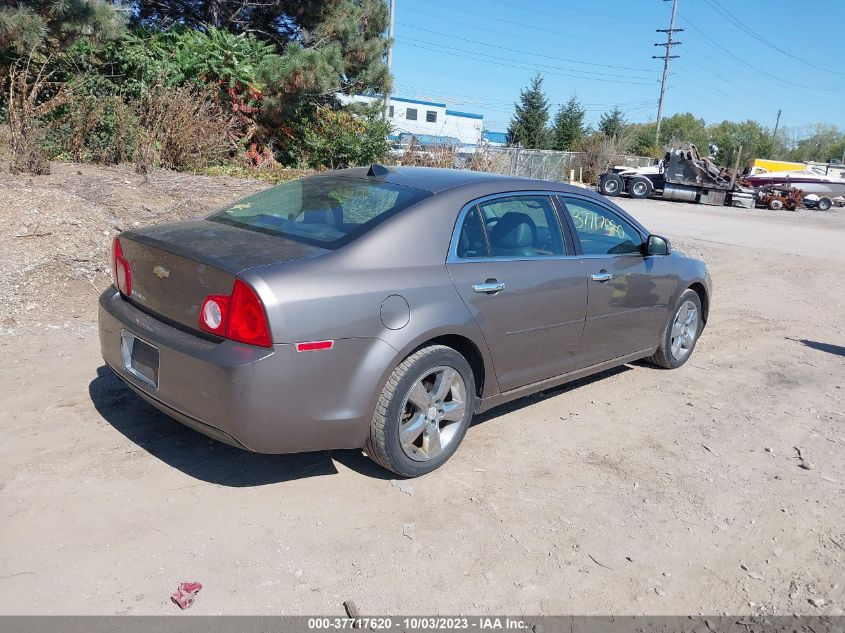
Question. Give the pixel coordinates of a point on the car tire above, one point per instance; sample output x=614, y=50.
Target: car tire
x=411, y=401
x=825, y=203
x=679, y=337
x=610, y=184
x=640, y=187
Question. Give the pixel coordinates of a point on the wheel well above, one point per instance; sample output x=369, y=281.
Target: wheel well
x=705, y=300
x=468, y=350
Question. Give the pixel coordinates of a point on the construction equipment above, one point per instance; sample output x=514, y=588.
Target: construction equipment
x=777, y=197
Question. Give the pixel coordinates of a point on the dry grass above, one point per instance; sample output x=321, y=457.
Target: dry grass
x=180, y=128
x=601, y=152
x=436, y=156
x=30, y=96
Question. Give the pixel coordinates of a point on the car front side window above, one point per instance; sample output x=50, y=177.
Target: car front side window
x=600, y=231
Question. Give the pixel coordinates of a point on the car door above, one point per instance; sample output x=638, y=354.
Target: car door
x=627, y=291
x=519, y=276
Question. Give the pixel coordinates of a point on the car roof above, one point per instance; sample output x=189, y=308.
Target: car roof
x=435, y=180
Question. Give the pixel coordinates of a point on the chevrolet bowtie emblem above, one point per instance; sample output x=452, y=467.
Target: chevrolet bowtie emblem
x=161, y=272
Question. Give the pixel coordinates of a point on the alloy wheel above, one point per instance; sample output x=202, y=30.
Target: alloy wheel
x=684, y=330
x=432, y=413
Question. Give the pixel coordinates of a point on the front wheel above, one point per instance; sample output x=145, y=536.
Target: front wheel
x=423, y=412
x=681, y=333
x=825, y=203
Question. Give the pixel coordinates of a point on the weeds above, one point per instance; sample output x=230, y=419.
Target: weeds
x=31, y=95
x=600, y=152
x=179, y=128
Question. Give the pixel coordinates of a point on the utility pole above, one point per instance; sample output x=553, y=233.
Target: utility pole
x=389, y=60
x=777, y=124
x=669, y=43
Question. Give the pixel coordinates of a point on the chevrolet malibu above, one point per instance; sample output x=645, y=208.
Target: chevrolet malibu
x=382, y=308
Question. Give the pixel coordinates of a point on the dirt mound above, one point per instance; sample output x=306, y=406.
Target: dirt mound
x=56, y=232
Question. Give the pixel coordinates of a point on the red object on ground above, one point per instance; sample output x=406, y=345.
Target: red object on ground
x=186, y=593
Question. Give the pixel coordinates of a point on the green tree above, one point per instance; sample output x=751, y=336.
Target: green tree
x=52, y=26
x=275, y=20
x=642, y=139
x=568, y=129
x=754, y=140
x=340, y=53
x=531, y=115
x=612, y=123
x=819, y=143
x=683, y=128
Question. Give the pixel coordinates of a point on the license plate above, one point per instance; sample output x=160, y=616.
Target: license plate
x=140, y=358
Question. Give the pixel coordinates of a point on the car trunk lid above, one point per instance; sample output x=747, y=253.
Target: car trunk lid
x=176, y=266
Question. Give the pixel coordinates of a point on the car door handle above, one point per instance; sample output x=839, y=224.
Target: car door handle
x=491, y=286
x=601, y=276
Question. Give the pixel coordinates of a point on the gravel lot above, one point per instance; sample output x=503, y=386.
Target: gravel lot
x=636, y=491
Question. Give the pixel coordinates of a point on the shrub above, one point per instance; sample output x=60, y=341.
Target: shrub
x=337, y=138
x=30, y=97
x=435, y=156
x=179, y=128
x=600, y=152
x=93, y=129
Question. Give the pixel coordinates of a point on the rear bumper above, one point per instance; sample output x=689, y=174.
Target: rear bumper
x=272, y=400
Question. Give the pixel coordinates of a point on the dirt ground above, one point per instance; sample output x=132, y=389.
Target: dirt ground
x=635, y=491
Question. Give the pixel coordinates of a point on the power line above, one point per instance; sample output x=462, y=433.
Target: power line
x=532, y=27
x=521, y=7
x=525, y=65
x=719, y=8
x=667, y=55
x=516, y=50
x=501, y=104
x=389, y=56
x=734, y=57
x=560, y=43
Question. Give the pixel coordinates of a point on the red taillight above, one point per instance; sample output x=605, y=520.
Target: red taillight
x=121, y=269
x=240, y=317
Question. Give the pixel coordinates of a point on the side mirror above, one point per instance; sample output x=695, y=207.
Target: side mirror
x=657, y=245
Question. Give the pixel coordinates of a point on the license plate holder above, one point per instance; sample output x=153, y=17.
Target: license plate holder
x=140, y=358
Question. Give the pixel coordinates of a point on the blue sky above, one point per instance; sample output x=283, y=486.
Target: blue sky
x=739, y=60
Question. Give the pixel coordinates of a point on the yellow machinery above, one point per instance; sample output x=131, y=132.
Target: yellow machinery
x=764, y=166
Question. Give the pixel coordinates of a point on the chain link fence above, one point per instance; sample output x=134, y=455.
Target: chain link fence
x=534, y=163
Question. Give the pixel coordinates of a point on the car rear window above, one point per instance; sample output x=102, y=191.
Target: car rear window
x=326, y=211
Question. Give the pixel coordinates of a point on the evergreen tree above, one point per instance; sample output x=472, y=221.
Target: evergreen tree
x=568, y=127
x=52, y=26
x=531, y=115
x=612, y=123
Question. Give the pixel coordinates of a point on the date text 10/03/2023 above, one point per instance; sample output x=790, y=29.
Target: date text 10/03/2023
x=423, y=623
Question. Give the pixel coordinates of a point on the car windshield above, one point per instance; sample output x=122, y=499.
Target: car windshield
x=326, y=211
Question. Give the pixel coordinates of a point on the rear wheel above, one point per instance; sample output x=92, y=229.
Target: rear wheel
x=825, y=203
x=681, y=333
x=423, y=412
x=610, y=184
x=640, y=187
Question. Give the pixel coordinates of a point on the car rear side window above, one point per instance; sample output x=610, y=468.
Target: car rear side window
x=601, y=231
x=325, y=211
x=472, y=242
x=522, y=226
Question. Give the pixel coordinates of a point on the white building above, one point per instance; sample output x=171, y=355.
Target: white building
x=429, y=122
